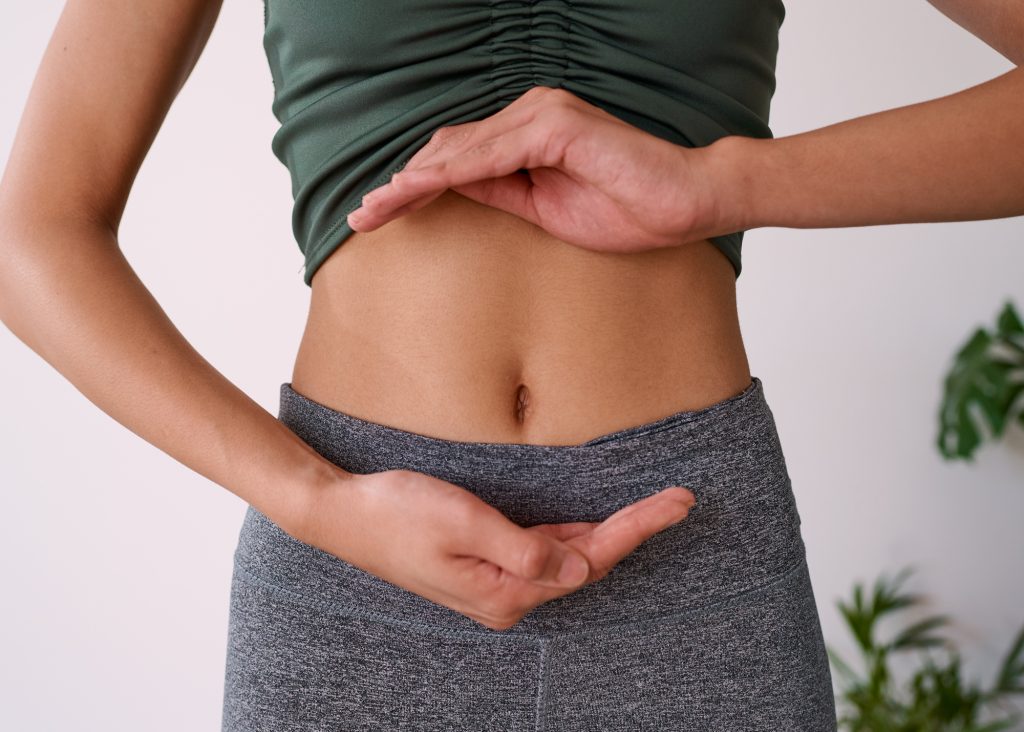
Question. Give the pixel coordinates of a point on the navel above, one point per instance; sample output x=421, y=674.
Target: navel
x=522, y=403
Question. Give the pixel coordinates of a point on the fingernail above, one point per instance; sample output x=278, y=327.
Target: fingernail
x=688, y=498
x=574, y=570
x=683, y=509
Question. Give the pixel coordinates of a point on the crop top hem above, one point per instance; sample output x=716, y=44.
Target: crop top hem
x=330, y=240
x=359, y=87
x=335, y=236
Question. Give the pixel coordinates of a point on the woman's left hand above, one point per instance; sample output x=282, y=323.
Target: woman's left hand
x=594, y=180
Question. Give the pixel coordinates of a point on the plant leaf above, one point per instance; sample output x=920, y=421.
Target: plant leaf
x=1010, y=678
x=986, y=378
x=842, y=666
x=916, y=635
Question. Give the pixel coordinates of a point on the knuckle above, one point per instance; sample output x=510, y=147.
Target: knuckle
x=534, y=558
x=503, y=624
x=560, y=116
x=563, y=96
x=449, y=134
x=462, y=514
x=493, y=624
x=533, y=95
x=551, y=95
x=397, y=182
x=488, y=607
x=403, y=476
x=635, y=524
x=441, y=134
x=557, y=97
x=500, y=615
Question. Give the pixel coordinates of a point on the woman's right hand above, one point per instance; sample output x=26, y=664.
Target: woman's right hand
x=440, y=541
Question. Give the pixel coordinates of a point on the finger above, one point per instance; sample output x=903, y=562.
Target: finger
x=365, y=218
x=530, y=555
x=443, y=139
x=452, y=139
x=513, y=193
x=383, y=202
x=675, y=492
x=526, y=146
x=622, y=532
x=573, y=529
x=507, y=589
x=567, y=530
x=502, y=589
x=666, y=498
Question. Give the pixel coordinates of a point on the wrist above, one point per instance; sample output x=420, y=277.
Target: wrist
x=300, y=520
x=737, y=171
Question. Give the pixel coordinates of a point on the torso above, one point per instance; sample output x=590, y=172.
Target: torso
x=463, y=322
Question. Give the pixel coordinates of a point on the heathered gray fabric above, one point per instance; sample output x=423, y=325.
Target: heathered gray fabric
x=709, y=626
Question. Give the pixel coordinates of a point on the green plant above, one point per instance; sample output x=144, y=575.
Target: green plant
x=987, y=374
x=936, y=698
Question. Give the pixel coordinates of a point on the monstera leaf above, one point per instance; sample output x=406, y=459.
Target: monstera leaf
x=986, y=382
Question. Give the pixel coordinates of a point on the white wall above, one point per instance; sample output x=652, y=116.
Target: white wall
x=116, y=559
x=854, y=329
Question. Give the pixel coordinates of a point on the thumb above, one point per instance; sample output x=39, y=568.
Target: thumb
x=512, y=193
x=531, y=555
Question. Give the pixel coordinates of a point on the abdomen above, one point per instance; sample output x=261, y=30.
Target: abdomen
x=464, y=322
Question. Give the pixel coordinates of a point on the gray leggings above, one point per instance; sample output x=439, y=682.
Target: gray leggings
x=709, y=626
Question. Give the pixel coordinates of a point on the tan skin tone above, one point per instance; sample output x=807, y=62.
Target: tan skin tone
x=479, y=301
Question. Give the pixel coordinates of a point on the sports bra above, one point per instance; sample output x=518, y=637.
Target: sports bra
x=361, y=85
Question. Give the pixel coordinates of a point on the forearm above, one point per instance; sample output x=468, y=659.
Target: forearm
x=956, y=158
x=68, y=293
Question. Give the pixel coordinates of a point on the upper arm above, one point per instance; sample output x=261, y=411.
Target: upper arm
x=107, y=78
x=1000, y=23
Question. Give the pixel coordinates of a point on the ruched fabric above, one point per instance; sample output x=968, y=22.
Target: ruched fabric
x=361, y=85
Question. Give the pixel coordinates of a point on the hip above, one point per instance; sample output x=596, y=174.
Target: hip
x=742, y=535
x=709, y=625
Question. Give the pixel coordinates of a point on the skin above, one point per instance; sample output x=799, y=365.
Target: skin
x=595, y=181
x=105, y=84
x=107, y=78
x=906, y=165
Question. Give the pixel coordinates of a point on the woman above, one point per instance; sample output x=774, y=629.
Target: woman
x=522, y=352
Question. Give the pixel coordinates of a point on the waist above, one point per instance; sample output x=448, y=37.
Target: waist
x=462, y=322
x=742, y=536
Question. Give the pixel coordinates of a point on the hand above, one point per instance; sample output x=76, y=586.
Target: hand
x=593, y=180
x=440, y=541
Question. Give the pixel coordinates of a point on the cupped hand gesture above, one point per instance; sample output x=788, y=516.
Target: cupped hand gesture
x=591, y=179
x=442, y=542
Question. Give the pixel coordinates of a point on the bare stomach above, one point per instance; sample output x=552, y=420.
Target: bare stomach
x=463, y=322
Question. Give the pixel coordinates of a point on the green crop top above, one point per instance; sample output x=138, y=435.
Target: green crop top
x=361, y=85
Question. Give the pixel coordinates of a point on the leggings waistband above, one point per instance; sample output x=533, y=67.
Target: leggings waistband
x=742, y=535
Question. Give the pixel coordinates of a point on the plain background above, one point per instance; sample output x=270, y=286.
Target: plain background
x=116, y=559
